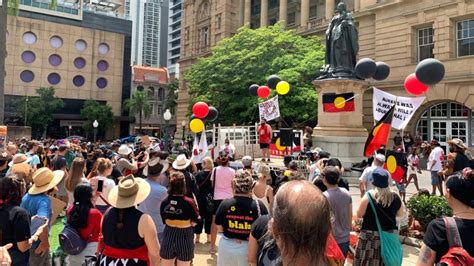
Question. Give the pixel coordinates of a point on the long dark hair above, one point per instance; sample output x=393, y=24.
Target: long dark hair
x=10, y=190
x=82, y=204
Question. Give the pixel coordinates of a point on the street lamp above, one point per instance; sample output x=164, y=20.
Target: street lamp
x=167, y=118
x=183, y=124
x=95, y=124
x=70, y=128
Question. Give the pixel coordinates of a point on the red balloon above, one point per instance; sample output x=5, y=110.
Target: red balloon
x=413, y=86
x=200, y=109
x=263, y=91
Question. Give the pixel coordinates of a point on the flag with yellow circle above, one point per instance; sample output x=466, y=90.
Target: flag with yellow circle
x=396, y=164
x=334, y=103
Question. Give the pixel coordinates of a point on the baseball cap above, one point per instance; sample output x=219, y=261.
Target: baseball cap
x=380, y=177
x=380, y=157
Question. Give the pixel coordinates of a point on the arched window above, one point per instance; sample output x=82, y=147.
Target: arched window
x=151, y=92
x=161, y=94
x=204, y=11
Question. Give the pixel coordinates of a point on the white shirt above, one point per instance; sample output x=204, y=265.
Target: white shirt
x=106, y=188
x=367, y=178
x=437, y=154
x=228, y=149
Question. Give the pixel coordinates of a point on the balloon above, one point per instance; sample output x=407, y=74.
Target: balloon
x=200, y=109
x=283, y=87
x=382, y=71
x=191, y=117
x=365, y=68
x=213, y=114
x=253, y=89
x=414, y=86
x=196, y=125
x=430, y=71
x=263, y=91
x=272, y=81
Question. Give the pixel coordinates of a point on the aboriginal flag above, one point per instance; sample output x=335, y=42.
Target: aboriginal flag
x=334, y=103
x=395, y=164
x=379, y=135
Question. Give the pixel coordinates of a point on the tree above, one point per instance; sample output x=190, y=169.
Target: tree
x=139, y=104
x=93, y=110
x=250, y=57
x=172, y=95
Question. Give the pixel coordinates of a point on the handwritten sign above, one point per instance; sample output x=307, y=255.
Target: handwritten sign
x=270, y=109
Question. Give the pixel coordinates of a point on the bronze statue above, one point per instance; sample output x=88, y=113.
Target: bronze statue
x=341, y=46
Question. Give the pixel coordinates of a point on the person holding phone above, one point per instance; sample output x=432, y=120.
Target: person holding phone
x=101, y=184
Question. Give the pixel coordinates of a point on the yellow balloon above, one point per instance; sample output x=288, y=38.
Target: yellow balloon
x=283, y=87
x=196, y=125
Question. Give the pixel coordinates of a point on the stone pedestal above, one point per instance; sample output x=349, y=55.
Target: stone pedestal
x=342, y=134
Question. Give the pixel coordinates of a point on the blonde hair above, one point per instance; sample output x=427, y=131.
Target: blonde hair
x=383, y=196
x=264, y=171
x=208, y=162
x=74, y=176
x=102, y=165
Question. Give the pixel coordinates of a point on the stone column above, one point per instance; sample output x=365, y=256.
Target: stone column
x=356, y=5
x=304, y=14
x=264, y=13
x=242, y=11
x=284, y=12
x=330, y=7
x=247, y=13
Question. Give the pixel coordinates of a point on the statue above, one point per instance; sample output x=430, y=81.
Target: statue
x=341, y=46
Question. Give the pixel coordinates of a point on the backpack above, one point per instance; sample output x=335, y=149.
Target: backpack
x=456, y=255
x=70, y=240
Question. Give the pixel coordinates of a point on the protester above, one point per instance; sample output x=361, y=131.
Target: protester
x=342, y=183
x=204, y=199
x=4, y=157
x=83, y=217
x=261, y=190
x=413, y=167
x=180, y=214
x=407, y=141
x=322, y=158
x=182, y=164
x=222, y=181
x=74, y=178
x=457, y=159
x=234, y=218
x=158, y=193
x=15, y=221
x=34, y=158
x=17, y=159
x=247, y=163
x=264, y=139
x=366, y=178
x=60, y=163
x=101, y=192
x=228, y=148
x=308, y=138
x=388, y=207
x=397, y=140
x=126, y=164
x=45, y=161
x=129, y=236
x=36, y=202
x=435, y=166
x=436, y=243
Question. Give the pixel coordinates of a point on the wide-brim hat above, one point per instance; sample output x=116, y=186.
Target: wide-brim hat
x=124, y=150
x=129, y=192
x=457, y=142
x=154, y=164
x=181, y=162
x=44, y=179
x=19, y=158
x=22, y=168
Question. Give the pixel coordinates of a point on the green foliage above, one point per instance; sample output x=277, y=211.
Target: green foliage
x=426, y=208
x=249, y=57
x=13, y=7
x=139, y=104
x=172, y=95
x=93, y=110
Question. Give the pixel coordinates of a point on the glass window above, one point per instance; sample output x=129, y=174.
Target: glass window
x=101, y=83
x=439, y=110
x=458, y=110
x=56, y=42
x=425, y=43
x=55, y=60
x=291, y=18
x=54, y=78
x=27, y=76
x=28, y=57
x=103, y=48
x=422, y=127
x=465, y=37
x=161, y=94
x=29, y=38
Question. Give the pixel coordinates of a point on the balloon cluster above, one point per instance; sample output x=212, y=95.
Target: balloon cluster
x=367, y=68
x=201, y=111
x=427, y=73
x=273, y=82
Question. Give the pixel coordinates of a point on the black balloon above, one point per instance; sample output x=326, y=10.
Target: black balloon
x=253, y=89
x=213, y=114
x=430, y=71
x=365, y=68
x=191, y=117
x=272, y=81
x=382, y=71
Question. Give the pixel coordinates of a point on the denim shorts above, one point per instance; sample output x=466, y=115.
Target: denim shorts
x=434, y=178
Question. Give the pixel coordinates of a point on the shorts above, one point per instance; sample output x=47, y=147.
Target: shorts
x=231, y=252
x=264, y=145
x=401, y=187
x=216, y=206
x=177, y=243
x=434, y=178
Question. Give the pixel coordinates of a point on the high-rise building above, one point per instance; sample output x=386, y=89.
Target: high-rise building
x=150, y=31
x=174, y=37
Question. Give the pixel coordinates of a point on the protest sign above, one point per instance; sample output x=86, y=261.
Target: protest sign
x=270, y=109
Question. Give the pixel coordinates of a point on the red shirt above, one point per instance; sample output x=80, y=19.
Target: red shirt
x=93, y=225
x=264, y=133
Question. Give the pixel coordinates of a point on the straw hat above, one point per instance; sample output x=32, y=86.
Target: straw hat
x=181, y=162
x=19, y=158
x=457, y=142
x=124, y=150
x=129, y=192
x=153, y=166
x=44, y=179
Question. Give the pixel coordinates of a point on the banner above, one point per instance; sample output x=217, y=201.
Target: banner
x=277, y=150
x=406, y=107
x=270, y=109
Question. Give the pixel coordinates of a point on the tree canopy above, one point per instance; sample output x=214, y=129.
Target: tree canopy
x=93, y=110
x=249, y=57
x=139, y=104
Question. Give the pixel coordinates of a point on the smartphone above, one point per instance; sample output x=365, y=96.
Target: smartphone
x=36, y=223
x=100, y=185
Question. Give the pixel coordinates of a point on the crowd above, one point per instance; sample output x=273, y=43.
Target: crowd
x=139, y=205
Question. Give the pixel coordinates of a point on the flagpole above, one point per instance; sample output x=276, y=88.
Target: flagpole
x=388, y=136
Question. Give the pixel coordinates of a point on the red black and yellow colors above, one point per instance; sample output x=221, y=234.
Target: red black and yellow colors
x=379, y=135
x=334, y=103
x=396, y=165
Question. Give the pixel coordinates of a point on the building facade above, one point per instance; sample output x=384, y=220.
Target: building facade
x=82, y=54
x=174, y=37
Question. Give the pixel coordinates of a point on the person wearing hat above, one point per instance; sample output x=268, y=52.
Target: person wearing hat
x=264, y=139
x=233, y=245
x=126, y=164
x=36, y=202
x=365, y=179
x=129, y=235
x=388, y=206
x=153, y=171
x=435, y=166
x=459, y=188
x=457, y=159
x=181, y=164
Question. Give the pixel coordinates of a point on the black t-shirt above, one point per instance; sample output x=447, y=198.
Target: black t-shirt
x=387, y=216
x=59, y=162
x=178, y=208
x=15, y=227
x=268, y=254
x=203, y=180
x=236, y=216
x=436, y=239
x=115, y=174
x=320, y=184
